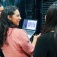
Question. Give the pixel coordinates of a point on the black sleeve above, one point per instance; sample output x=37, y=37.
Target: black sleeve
x=1, y=53
x=41, y=47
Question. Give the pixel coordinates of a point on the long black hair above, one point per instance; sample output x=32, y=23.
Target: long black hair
x=5, y=23
x=51, y=21
x=51, y=18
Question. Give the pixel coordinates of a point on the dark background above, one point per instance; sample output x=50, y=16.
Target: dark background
x=31, y=9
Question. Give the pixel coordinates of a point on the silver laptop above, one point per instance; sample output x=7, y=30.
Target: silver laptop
x=29, y=26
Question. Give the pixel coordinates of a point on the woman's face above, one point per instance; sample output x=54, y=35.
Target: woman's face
x=15, y=18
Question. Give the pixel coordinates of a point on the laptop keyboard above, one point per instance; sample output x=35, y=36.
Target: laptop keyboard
x=30, y=32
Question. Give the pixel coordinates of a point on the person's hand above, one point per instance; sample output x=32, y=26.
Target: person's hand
x=35, y=38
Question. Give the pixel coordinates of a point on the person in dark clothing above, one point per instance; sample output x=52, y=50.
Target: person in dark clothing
x=1, y=53
x=46, y=45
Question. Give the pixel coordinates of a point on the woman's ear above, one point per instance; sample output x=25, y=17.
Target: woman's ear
x=9, y=17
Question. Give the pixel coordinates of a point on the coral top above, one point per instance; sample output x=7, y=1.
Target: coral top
x=18, y=45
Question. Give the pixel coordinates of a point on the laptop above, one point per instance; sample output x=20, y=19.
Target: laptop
x=29, y=26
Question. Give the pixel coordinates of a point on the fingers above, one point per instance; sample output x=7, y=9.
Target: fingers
x=36, y=36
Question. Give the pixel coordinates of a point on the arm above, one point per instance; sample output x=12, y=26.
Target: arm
x=27, y=46
x=23, y=41
x=35, y=38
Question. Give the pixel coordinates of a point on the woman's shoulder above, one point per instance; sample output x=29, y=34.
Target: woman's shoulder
x=18, y=30
x=47, y=36
x=44, y=38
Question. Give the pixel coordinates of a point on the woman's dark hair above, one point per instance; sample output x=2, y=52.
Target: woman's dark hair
x=51, y=21
x=5, y=23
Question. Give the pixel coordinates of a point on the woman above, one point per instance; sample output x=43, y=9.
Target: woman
x=14, y=42
x=46, y=45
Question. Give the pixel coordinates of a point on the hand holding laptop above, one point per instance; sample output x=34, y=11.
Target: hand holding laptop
x=35, y=38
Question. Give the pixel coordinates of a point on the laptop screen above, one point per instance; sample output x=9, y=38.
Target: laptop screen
x=29, y=24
